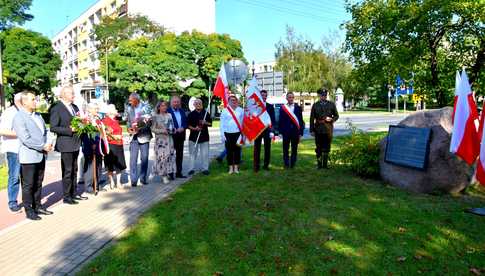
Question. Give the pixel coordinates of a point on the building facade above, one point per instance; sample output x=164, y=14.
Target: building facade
x=76, y=43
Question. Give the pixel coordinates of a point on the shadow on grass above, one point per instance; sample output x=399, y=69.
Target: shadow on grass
x=299, y=221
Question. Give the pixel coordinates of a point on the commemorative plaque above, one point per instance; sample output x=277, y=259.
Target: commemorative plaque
x=408, y=146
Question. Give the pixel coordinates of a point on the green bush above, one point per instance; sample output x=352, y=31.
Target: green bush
x=360, y=152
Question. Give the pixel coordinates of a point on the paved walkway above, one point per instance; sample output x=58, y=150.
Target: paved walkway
x=60, y=243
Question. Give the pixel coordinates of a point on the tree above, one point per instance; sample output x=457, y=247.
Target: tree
x=431, y=38
x=157, y=67
x=14, y=12
x=29, y=61
x=111, y=31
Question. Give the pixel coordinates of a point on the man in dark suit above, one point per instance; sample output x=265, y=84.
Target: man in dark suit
x=291, y=126
x=266, y=135
x=180, y=125
x=68, y=143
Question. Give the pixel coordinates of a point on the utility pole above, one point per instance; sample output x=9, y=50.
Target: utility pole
x=2, y=93
x=107, y=72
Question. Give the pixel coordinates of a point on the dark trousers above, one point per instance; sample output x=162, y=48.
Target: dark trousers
x=233, y=150
x=135, y=148
x=69, y=173
x=257, y=150
x=322, y=143
x=293, y=141
x=32, y=176
x=178, y=144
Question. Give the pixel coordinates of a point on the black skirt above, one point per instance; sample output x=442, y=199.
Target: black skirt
x=115, y=159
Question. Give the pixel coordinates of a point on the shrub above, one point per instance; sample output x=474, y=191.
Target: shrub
x=359, y=151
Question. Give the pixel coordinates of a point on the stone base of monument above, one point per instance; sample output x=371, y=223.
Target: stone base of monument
x=445, y=173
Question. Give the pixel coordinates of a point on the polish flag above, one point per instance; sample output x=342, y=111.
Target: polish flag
x=464, y=139
x=256, y=117
x=480, y=174
x=457, y=86
x=221, y=89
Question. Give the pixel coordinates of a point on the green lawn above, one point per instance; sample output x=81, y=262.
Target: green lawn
x=301, y=221
x=3, y=177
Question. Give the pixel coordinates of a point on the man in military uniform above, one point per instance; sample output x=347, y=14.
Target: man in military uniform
x=323, y=115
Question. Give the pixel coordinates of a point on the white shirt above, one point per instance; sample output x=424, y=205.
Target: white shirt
x=178, y=117
x=291, y=107
x=70, y=108
x=38, y=121
x=227, y=122
x=6, y=122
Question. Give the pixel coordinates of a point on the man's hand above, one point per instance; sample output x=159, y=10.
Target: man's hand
x=73, y=129
x=47, y=147
x=180, y=129
x=329, y=119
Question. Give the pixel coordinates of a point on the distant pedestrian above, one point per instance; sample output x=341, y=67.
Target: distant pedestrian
x=137, y=117
x=199, y=121
x=10, y=146
x=114, y=161
x=180, y=125
x=291, y=127
x=267, y=135
x=32, y=134
x=163, y=128
x=322, y=117
x=231, y=128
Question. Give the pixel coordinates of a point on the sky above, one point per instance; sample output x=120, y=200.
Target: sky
x=258, y=24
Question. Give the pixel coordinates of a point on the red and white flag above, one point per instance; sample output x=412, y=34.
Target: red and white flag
x=480, y=174
x=221, y=88
x=457, y=86
x=256, y=117
x=464, y=139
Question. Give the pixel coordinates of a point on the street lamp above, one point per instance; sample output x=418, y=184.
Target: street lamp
x=253, y=68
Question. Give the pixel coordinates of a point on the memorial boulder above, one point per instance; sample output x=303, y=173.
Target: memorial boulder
x=444, y=171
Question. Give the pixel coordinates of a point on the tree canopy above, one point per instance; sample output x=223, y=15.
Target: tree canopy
x=427, y=40
x=14, y=12
x=29, y=61
x=307, y=67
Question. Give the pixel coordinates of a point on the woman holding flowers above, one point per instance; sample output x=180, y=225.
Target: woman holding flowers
x=162, y=127
x=93, y=147
x=114, y=161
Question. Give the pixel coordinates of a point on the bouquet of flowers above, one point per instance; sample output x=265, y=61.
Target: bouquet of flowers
x=82, y=124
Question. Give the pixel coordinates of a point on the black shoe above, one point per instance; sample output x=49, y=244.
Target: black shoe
x=219, y=160
x=43, y=211
x=70, y=201
x=80, y=197
x=171, y=176
x=205, y=172
x=133, y=184
x=191, y=172
x=266, y=168
x=179, y=175
x=15, y=208
x=33, y=216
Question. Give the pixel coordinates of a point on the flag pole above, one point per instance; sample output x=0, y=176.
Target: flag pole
x=205, y=116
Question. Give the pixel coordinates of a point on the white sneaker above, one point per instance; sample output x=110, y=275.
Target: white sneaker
x=236, y=170
x=165, y=180
x=231, y=170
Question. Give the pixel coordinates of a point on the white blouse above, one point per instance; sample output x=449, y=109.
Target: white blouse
x=227, y=122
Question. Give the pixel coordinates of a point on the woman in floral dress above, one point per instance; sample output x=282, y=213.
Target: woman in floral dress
x=162, y=127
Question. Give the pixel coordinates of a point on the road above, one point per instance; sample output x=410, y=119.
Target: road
x=378, y=121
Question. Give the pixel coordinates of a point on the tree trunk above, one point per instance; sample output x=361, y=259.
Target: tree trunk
x=434, y=78
x=479, y=62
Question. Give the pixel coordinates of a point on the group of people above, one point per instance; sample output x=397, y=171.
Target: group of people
x=290, y=126
x=26, y=143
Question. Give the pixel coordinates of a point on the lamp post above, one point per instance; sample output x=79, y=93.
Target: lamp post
x=253, y=69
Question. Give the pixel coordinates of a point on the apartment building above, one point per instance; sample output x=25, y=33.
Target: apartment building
x=76, y=43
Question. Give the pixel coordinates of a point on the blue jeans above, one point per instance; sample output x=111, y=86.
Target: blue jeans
x=13, y=178
x=136, y=147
